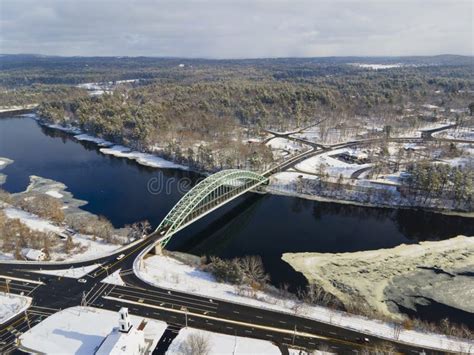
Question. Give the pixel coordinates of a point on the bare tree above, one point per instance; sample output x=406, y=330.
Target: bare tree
x=138, y=230
x=196, y=343
x=252, y=266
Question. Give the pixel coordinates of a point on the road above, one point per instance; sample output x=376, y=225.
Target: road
x=52, y=293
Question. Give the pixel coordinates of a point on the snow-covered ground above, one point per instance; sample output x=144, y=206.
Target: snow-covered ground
x=17, y=108
x=4, y=162
x=416, y=131
x=223, y=344
x=288, y=177
x=284, y=144
x=54, y=193
x=118, y=150
x=141, y=158
x=76, y=273
x=100, y=88
x=331, y=136
x=169, y=273
x=11, y=305
x=92, y=248
x=332, y=165
x=378, y=66
x=32, y=221
x=80, y=330
x=67, y=129
x=114, y=279
x=99, y=141
x=302, y=352
x=459, y=133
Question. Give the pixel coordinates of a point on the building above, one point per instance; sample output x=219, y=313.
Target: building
x=33, y=254
x=124, y=339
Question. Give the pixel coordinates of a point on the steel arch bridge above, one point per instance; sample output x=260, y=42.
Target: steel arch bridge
x=208, y=195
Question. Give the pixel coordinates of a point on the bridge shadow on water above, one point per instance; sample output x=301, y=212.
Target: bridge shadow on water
x=214, y=234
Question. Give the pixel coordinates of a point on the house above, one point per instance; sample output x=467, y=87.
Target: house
x=124, y=339
x=33, y=254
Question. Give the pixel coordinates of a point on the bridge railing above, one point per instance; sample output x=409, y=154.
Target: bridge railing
x=205, y=197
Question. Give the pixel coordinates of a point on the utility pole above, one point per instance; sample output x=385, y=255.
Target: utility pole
x=27, y=320
x=84, y=299
x=7, y=283
x=185, y=315
x=106, y=268
x=235, y=342
x=294, y=336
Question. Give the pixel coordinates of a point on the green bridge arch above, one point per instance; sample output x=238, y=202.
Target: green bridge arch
x=208, y=195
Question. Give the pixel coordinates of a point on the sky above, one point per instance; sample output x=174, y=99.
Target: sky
x=237, y=28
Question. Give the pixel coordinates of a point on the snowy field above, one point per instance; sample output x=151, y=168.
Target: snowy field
x=332, y=165
x=100, y=88
x=223, y=344
x=288, y=177
x=378, y=66
x=284, y=144
x=170, y=273
x=93, y=248
x=79, y=330
x=11, y=305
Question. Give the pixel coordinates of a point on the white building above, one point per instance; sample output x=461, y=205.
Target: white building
x=124, y=339
x=33, y=254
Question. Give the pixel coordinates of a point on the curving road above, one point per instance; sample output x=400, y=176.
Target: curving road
x=52, y=293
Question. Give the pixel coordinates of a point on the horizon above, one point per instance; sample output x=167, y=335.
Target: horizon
x=237, y=29
x=243, y=58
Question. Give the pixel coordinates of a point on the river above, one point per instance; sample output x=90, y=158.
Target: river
x=265, y=225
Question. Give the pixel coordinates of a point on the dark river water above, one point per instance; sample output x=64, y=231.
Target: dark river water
x=255, y=224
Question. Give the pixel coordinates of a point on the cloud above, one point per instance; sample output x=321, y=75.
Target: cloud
x=236, y=28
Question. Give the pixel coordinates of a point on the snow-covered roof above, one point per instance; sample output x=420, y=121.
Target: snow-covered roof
x=117, y=342
x=33, y=254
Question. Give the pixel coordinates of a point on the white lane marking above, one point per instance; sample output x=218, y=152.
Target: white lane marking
x=20, y=279
x=174, y=299
x=250, y=325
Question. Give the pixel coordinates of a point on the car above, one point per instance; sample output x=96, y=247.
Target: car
x=82, y=281
x=120, y=257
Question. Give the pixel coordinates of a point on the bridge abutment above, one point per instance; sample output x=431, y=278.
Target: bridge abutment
x=157, y=250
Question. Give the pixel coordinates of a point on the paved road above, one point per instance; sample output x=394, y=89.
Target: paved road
x=53, y=293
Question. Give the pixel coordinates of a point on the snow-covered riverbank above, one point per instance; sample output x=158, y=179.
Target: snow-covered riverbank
x=167, y=272
x=362, y=193
x=110, y=148
x=4, y=162
x=85, y=246
x=403, y=275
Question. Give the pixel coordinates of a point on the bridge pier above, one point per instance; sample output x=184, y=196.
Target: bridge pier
x=157, y=250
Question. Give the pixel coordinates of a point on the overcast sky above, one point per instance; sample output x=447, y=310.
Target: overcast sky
x=237, y=28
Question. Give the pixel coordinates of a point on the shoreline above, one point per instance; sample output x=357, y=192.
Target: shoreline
x=110, y=148
x=386, y=278
x=142, y=158
x=364, y=204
